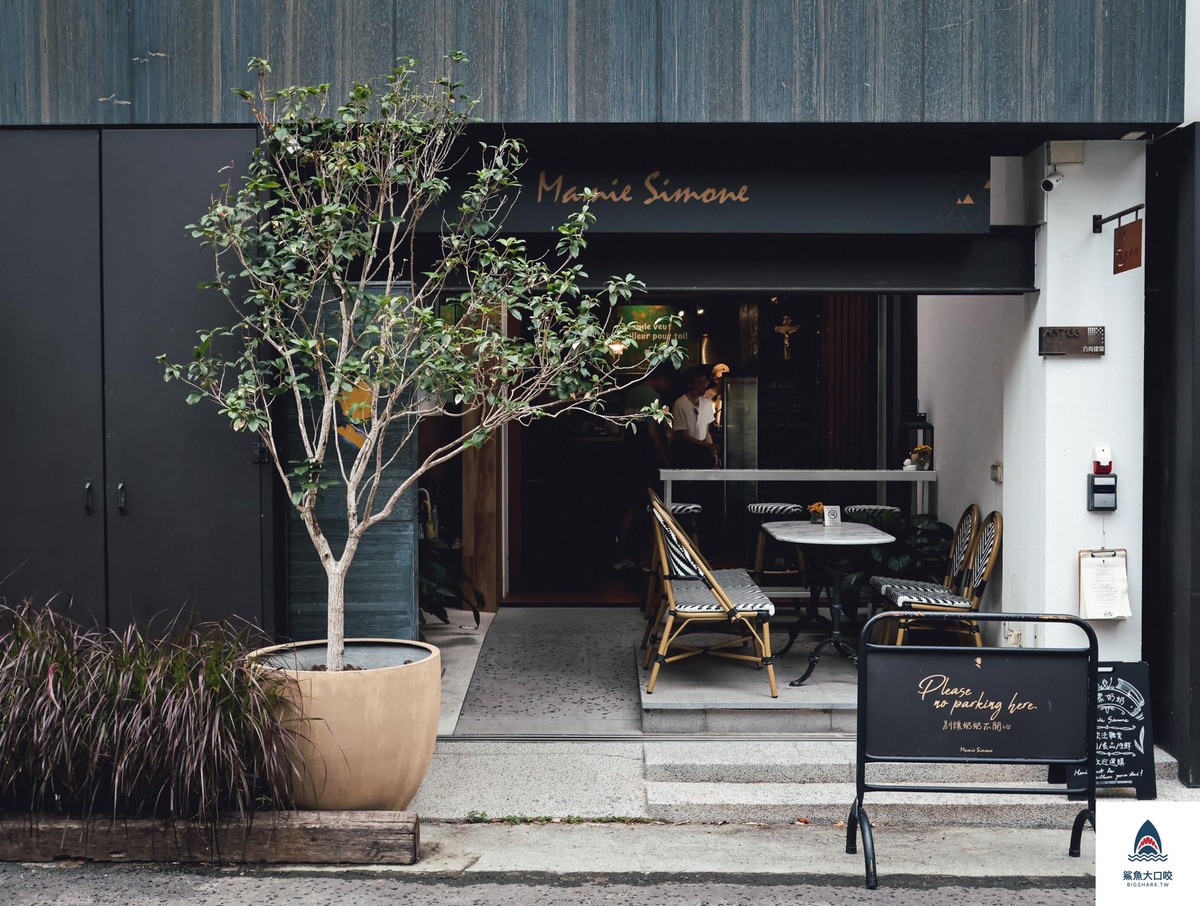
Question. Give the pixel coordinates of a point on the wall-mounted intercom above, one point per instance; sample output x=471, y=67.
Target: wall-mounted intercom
x=1102, y=492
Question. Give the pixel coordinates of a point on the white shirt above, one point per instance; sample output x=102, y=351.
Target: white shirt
x=692, y=418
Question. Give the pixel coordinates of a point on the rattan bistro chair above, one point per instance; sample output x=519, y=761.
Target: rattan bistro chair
x=697, y=599
x=766, y=512
x=957, y=573
x=983, y=559
x=654, y=591
x=656, y=598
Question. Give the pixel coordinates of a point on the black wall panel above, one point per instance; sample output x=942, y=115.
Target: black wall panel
x=1171, y=627
x=51, y=443
x=190, y=534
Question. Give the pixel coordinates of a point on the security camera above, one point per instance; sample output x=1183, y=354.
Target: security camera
x=1049, y=182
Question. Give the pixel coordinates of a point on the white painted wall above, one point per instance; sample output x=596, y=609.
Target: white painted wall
x=1008, y=203
x=1057, y=409
x=964, y=346
x=991, y=398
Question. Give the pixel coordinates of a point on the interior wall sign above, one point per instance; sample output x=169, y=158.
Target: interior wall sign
x=1127, y=238
x=1085, y=341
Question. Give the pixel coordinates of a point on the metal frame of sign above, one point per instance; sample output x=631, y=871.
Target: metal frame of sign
x=885, y=737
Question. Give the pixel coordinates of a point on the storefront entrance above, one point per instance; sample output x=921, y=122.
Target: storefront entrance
x=805, y=384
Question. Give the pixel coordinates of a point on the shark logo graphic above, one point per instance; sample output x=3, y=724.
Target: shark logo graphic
x=1147, y=846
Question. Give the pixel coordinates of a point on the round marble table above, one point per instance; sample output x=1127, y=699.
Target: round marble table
x=816, y=539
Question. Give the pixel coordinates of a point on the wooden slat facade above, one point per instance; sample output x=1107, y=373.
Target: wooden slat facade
x=849, y=349
x=596, y=61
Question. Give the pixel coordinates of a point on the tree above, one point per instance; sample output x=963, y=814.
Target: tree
x=348, y=325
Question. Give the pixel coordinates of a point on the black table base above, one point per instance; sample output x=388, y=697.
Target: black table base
x=839, y=643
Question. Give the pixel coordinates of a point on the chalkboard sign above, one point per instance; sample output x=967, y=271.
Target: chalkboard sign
x=1124, y=733
x=973, y=704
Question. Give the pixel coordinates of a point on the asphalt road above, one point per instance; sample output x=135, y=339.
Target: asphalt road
x=74, y=884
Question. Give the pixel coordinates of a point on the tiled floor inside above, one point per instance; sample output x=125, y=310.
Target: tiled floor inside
x=576, y=671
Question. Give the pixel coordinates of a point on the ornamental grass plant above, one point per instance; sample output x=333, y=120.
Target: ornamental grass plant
x=104, y=724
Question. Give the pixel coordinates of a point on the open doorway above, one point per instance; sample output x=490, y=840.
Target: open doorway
x=805, y=387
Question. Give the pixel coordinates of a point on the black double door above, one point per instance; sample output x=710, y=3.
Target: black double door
x=118, y=496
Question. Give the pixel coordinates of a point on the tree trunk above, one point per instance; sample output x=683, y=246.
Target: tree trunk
x=336, y=618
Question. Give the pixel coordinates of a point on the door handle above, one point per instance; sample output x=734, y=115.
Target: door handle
x=121, y=497
x=87, y=497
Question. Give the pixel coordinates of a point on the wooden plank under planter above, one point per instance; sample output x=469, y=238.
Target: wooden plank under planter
x=355, y=838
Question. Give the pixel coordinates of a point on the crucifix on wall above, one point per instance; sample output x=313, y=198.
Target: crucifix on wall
x=787, y=328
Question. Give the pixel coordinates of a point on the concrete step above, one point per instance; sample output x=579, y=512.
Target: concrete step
x=827, y=803
x=782, y=781
x=826, y=761
x=727, y=720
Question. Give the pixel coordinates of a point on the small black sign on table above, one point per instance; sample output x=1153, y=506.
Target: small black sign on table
x=1124, y=733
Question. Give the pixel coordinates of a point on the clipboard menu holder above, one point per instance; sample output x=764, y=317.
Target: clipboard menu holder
x=1104, y=584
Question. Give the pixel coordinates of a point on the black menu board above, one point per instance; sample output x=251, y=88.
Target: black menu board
x=1124, y=733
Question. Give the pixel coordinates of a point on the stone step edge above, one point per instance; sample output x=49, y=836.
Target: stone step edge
x=807, y=775
x=749, y=772
x=830, y=804
x=659, y=792
x=815, y=762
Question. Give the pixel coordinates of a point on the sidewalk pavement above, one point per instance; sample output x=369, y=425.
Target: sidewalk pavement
x=743, y=853
x=509, y=785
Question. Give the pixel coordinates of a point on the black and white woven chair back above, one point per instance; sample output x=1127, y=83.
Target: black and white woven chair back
x=964, y=535
x=985, y=553
x=775, y=509
x=681, y=565
x=869, y=513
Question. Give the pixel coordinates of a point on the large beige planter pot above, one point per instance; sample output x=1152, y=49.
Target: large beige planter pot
x=367, y=735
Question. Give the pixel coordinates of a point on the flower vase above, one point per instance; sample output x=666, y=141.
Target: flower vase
x=816, y=518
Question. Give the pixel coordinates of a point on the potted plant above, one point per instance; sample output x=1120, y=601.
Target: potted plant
x=918, y=553
x=368, y=295
x=920, y=458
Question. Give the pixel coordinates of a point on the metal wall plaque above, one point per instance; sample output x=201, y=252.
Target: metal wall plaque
x=1070, y=341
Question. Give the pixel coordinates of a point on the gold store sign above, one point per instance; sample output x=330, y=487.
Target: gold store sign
x=654, y=188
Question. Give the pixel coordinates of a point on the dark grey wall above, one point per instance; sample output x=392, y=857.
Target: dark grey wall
x=1171, y=625
x=886, y=61
x=100, y=278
